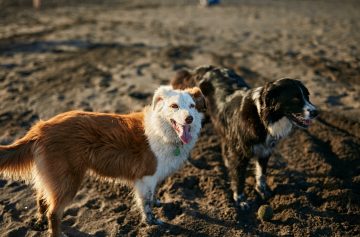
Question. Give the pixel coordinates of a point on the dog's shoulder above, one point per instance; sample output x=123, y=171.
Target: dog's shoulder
x=246, y=118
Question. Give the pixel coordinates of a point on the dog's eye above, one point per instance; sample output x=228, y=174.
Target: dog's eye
x=192, y=106
x=174, y=106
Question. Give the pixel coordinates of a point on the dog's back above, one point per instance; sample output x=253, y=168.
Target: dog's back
x=219, y=86
x=221, y=82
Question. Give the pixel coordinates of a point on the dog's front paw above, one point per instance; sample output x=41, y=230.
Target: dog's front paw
x=263, y=190
x=241, y=201
x=244, y=206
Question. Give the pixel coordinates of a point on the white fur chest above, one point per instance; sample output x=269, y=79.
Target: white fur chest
x=167, y=161
x=277, y=131
x=162, y=138
x=280, y=128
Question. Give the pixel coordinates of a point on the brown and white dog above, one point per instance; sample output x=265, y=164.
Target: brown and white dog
x=250, y=121
x=140, y=148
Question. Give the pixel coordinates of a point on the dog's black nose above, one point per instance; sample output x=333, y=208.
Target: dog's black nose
x=314, y=113
x=189, y=119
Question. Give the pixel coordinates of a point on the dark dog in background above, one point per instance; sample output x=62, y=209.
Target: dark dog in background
x=249, y=121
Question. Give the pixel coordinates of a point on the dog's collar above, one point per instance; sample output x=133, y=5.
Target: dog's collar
x=177, y=150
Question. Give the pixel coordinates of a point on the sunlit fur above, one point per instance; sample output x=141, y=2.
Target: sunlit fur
x=137, y=148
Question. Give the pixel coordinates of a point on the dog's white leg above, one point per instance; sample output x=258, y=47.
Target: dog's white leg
x=241, y=200
x=260, y=176
x=144, y=191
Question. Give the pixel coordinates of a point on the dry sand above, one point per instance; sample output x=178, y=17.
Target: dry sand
x=111, y=56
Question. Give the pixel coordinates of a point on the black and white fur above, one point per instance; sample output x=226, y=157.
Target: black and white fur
x=249, y=121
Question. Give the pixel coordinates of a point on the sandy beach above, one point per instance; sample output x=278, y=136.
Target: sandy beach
x=110, y=56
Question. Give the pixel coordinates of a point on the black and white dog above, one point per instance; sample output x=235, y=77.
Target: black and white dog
x=249, y=121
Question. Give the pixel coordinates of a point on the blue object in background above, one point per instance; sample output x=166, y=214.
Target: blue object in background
x=209, y=2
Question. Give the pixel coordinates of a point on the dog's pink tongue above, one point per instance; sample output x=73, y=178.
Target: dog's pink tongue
x=307, y=122
x=184, y=133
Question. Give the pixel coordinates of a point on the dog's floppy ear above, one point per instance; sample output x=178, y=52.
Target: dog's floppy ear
x=269, y=101
x=304, y=90
x=182, y=80
x=206, y=87
x=159, y=95
x=271, y=94
x=198, y=97
x=156, y=100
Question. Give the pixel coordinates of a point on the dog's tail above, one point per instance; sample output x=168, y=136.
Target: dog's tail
x=16, y=160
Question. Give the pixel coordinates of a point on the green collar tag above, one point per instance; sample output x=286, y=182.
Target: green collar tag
x=177, y=151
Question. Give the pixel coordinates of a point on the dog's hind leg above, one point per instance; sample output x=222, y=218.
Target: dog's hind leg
x=237, y=173
x=40, y=222
x=260, y=175
x=144, y=191
x=224, y=154
x=59, y=197
x=42, y=208
x=59, y=184
x=41, y=205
